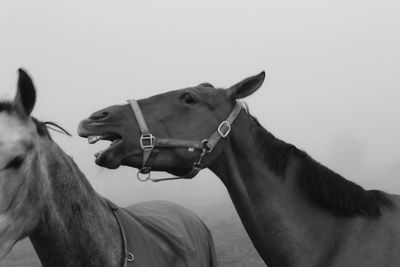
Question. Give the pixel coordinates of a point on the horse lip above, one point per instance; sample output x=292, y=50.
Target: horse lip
x=82, y=129
x=101, y=156
x=88, y=128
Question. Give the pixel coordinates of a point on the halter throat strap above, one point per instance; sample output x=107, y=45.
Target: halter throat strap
x=148, y=142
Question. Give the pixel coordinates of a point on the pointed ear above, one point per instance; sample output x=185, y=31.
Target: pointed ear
x=25, y=98
x=246, y=87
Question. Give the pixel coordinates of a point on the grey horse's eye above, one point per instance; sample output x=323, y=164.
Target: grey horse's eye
x=15, y=163
x=188, y=98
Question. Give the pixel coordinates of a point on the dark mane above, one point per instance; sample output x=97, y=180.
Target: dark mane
x=323, y=186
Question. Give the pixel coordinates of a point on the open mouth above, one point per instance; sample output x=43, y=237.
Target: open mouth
x=112, y=137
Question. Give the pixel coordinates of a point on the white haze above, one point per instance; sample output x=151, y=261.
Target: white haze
x=332, y=85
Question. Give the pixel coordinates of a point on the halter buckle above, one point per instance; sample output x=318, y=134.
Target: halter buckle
x=224, y=128
x=147, y=141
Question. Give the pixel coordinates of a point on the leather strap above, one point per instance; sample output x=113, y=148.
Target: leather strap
x=127, y=256
x=139, y=116
x=193, y=172
x=143, y=129
x=166, y=142
x=225, y=127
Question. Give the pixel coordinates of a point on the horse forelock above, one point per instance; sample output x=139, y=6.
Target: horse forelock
x=41, y=127
x=321, y=185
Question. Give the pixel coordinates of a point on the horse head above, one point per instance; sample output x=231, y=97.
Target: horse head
x=174, y=124
x=20, y=166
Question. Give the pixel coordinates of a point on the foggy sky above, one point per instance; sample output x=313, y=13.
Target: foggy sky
x=332, y=85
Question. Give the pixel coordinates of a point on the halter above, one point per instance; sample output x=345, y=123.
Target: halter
x=149, y=142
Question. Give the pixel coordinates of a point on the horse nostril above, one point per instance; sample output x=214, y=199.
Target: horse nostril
x=99, y=115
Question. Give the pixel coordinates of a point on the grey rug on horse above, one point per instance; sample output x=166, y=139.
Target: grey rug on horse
x=180, y=240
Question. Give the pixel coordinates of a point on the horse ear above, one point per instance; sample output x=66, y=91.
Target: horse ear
x=25, y=98
x=246, y=87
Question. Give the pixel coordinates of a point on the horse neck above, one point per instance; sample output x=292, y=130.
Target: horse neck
x=284, y=228
x=77, y=228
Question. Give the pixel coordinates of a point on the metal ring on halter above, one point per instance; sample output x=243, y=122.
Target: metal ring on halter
x=206, y=148
x=143, y=176
x=129, y=257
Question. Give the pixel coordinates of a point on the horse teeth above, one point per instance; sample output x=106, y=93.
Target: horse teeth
x=116, y=140
x=94, y=139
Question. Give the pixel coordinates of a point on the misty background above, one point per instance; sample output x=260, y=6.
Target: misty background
x=332, y=84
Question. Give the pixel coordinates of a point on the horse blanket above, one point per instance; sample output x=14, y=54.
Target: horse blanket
x=160, y=233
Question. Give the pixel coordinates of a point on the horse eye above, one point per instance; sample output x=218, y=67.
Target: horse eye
x=188, y=99
x=15, y=163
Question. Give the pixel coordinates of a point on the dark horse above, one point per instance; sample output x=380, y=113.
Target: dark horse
x=45, y=196
x=296, y=211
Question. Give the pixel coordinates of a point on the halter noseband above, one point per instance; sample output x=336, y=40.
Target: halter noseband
x=149, y=142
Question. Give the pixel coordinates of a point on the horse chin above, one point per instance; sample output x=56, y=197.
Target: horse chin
x=7, y=232
x=5, y=248
x=108, y=160
x=134, y=160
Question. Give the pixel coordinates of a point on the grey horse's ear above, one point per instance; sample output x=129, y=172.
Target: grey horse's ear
x=25, y=98
x=246, y=87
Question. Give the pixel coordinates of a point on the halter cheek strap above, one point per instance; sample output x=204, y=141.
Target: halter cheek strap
x=148, y=142
x=224, y=128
